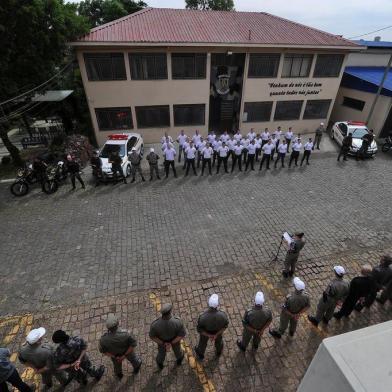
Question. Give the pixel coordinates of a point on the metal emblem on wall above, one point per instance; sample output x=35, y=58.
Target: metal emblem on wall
x=223, y=84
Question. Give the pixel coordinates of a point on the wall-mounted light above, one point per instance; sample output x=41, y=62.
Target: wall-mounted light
x=228, y=53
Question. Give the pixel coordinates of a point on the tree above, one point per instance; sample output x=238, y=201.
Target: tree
x=214, y=5
x=34, y=45
x=99, y=12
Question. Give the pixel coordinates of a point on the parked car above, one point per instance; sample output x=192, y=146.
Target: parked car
x=358, y=130
x=123, y=144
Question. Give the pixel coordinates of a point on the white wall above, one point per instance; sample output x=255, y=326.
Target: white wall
x=368, y=59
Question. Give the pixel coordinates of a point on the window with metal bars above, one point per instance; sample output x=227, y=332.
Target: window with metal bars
x=189, y=65
x=317, y=108
x=148, y=66
x=258, y=111
x=153, y=116
x=114, y=118
x=296, y=65
x=328, y=65
x=263, y=65
x=288, y=110
x=189, y=114
x=105, y=66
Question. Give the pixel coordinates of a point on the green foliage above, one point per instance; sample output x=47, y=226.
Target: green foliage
x=215, y=5
x=99, y=12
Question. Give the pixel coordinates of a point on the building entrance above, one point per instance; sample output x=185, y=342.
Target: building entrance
x=227, y=73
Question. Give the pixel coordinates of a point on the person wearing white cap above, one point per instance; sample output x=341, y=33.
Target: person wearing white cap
x=135, y=159
x=294, y=247
x=335, y=292
x=152, y=159
x=319, y=135
x=295, y=304
x=38, y=355
x=211, y=325
x=255, y=321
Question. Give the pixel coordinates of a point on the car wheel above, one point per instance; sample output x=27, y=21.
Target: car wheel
x=128, y=170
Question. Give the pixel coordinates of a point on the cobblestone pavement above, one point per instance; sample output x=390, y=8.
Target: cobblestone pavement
x=70, y=258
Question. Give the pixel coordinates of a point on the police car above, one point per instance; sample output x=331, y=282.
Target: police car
x=358, y=130
x=123, y=144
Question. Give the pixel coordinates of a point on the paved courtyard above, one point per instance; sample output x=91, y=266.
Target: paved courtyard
x=69, y=259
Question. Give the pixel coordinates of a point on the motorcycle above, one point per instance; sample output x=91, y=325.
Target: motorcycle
x=387, y=144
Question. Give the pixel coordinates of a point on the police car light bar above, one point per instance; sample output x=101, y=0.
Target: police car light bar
x=356, y=123
x=118, y=136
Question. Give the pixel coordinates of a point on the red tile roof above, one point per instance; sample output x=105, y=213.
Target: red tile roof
x=163, y=25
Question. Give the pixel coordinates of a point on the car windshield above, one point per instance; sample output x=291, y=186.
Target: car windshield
x=109, y=149
x=358, y=133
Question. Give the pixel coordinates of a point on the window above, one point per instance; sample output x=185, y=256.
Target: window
x=288, y=110
x=328, y=65
x=296, y=65
x=148, y=66
x=317, y=108
x=189, y=65
x=263, y=65
x=110, y=119
x=152, y=116
x=343, y=129
x=189, y=115
x=105, y=66
x=258, y=111
x=353, y=103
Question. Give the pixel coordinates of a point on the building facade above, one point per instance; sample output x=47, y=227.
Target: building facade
x=161, y=70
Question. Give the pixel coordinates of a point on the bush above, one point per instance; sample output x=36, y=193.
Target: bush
x=6, y=160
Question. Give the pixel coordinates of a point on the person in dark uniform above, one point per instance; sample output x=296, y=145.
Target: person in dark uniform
x=255, y=321
x=211, y=325
x=336, y=292
x=367, y=141
x=167, y=332
x=135, y=158
x=346, y=145
x=362, y=292
x=382, y=273
x=70, y=355
x=294, y=247
x=73, y=170
x=152, y=159
x=39, y=167
x=116, y=162
x=295, y=304
x=118, y=344
x=96, y=165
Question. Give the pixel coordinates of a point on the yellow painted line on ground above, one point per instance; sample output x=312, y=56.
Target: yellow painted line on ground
x=206, y=383
x=279, y=295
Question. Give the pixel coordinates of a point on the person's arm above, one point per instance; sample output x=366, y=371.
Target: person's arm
x=76, y=364
x=157, y=340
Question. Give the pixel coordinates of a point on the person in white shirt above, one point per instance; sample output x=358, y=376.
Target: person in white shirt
x=223, y=153
x=258, y=142
x=245, y=144
x=196, y=138
x=169, y=154
x=289, y=135
x=297, y=145
x=278, y=135
x=251, y=135
x=252, y=148
x=238, y=136
x=190, y=155
x=274, y=141
x=181, y=140
x=207, y=154
x=211, y=137
x=166, y=138
x=231, y=143
x=167, y=143
x=237, y=156
x=308, y=147
x=225, y=137
x=216, y=144
x=282, y=151
x=267, y=150
x=200, y=147
x=264, y=137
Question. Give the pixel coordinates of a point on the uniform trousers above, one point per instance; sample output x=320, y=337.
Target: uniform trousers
x=206, y=161
x=266, y=158
x=199, y=158
x=343, y=151
x=202, y=345
x=250, y=161
x=245, y=154
x=325, y=309
x=220, y=160
x=77, y=175
x=154, y=167
x=258, y=150
x=136, y=169
x=272, y=154
x=287, y=321
x=263, y=142
x=214, y=157
x=294, y=157
x=117, y=169
x=162, y=352
x=290, y=262
x=306, y=156
x=47, y=377
x=236, y=158
x=86, y=367
x=247, y=336
x=189, y=163
x=317, y=141
x=288, y=142
x=280, y=157
x=15, y=380
x=167, y=167
x=180, y=150
x=131, y=357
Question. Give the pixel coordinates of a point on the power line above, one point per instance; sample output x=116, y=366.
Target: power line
x=375, y=31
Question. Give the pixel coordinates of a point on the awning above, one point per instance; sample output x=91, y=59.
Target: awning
x=52, y=96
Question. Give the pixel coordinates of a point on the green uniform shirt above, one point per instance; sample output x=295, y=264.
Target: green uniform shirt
x=257, y=317
x=116, y=343
x=167, y=330
x=38, y=355
x=212, y=321
x=337, y=289
x=296, y=301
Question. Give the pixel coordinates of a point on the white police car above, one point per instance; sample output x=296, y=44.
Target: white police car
x=358, y=129
x=123, y=144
